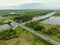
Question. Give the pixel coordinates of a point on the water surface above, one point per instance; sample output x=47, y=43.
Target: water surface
x=52, y=20
x=4, y=27
x=42, y=17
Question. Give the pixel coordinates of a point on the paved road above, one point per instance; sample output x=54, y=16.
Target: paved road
x=40, y=35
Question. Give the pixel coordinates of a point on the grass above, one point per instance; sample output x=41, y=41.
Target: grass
x=17, y=43
x=57, y=13
x=2, y=21
x=3, y=43
x=54, y=37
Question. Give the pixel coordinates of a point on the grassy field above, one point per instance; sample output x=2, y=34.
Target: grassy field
x=51, y=31
x=2, y=20
x=24, y=38
x=57, y=13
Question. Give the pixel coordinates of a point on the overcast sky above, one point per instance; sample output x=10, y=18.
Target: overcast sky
x=52, y=4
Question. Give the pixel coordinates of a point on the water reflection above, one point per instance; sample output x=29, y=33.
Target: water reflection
x=52, y=20
x=5, y=26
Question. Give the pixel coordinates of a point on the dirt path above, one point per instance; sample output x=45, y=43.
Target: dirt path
x=23, y=41
x=11, y=41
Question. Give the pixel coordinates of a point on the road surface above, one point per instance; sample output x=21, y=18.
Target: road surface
x=40, y=35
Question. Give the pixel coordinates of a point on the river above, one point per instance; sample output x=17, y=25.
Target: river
x=52, y=20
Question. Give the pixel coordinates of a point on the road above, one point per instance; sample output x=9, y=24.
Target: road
x=40, y=35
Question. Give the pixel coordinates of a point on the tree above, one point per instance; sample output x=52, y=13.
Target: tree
x=7, y=34
x=39, y=28
x=52, y=31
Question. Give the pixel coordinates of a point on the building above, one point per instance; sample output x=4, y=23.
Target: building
x=12, y=13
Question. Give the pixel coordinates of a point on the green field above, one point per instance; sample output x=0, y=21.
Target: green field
x=2, y=20
x=57, y=13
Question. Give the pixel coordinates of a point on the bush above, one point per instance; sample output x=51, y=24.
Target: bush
x=35, y=25
x=58, y=36
x=38, y=28
x=7, y=34
x=52, y=31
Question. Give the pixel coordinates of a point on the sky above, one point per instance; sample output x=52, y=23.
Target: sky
x=50, y=4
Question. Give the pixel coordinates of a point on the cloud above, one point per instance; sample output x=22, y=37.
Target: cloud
x=48, y=4
x=4, y=3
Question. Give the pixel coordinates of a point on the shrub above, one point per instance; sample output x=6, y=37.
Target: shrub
x=7, y=34
x=38, y=28
x=35, y=25
x=52, y=31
